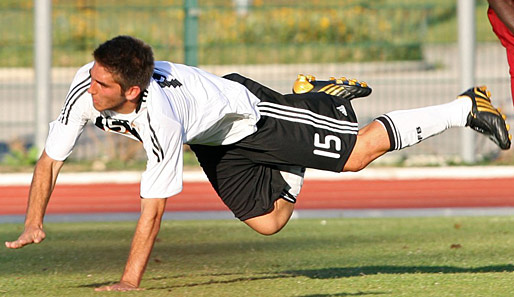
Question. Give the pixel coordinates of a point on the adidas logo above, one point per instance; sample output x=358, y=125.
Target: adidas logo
x=342, y=109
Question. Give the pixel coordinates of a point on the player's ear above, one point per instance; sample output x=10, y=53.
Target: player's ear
x=133, y=93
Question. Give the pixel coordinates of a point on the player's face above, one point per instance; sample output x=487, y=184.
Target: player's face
x=106, y=93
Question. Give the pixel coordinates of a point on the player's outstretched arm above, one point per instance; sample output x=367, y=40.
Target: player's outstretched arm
x=144, y=238
x=43, y=182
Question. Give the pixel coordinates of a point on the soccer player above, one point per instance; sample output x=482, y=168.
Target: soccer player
x=501, y=17
x=252, y=142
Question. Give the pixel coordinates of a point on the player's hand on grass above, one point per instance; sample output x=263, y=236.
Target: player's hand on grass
x=120, y=287
x=29, y=235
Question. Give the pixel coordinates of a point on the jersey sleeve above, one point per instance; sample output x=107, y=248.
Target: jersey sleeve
x=61, y=140
x=75, y=113
x=164, y=149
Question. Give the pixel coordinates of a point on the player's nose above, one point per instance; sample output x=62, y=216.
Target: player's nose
x=90, y=90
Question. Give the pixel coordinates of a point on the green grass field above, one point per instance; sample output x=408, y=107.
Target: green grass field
x=471, y=256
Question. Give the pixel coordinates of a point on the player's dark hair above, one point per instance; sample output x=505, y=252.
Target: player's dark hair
x=129, y=59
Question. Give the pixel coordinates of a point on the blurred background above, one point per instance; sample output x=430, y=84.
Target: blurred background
x=407, y=51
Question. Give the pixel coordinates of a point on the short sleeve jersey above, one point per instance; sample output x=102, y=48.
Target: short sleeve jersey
x=182, y=104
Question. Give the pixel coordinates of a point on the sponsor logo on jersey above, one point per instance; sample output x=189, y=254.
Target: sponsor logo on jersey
x=117, y=126
x=164, y=81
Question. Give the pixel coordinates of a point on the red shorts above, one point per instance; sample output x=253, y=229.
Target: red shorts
x=507, y=39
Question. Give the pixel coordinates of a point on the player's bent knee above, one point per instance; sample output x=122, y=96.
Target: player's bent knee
x=266, y=230
x=274, y=221
x=265, y=225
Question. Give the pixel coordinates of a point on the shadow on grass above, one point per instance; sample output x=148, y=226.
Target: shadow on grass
x=328, y=273
x=346, y=294
x=333, y=273
x=210, y=282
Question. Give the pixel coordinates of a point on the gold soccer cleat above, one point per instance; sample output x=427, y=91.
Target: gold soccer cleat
x=340, y=87
x=487, y=119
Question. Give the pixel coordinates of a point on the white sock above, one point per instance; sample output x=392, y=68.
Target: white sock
x=408, y=127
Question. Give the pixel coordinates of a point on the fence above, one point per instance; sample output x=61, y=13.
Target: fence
x=407, y=51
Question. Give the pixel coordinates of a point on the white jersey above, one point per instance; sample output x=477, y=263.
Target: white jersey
x=181, y=105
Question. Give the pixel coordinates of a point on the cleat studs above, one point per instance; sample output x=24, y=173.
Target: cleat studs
x=504, y=117
x=507, y=126
x=302, y=84
x=333, y=86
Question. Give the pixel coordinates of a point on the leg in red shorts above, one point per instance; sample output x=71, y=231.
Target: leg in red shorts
x=507, y=40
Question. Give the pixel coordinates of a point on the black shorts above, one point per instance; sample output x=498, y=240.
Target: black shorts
x=312, y=130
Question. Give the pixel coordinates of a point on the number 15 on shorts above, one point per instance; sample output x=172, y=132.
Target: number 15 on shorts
x=327, y=146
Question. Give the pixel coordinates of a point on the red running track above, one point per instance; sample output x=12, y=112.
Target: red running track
x=340, y=194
